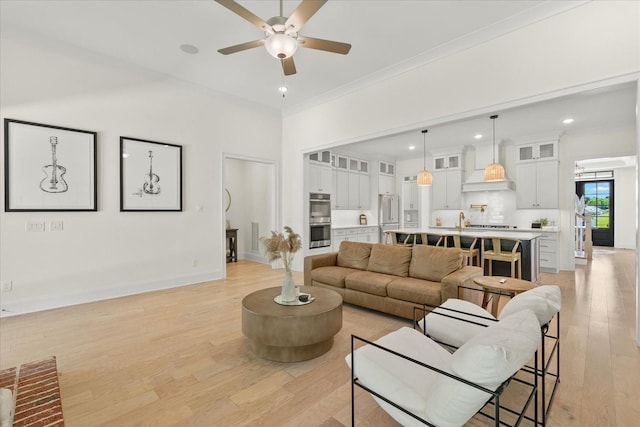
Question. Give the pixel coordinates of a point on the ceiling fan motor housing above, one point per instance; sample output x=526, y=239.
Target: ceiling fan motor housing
x=281, y=42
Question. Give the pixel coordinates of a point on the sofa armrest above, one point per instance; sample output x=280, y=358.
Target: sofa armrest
x=462, y=277
x=316, y=261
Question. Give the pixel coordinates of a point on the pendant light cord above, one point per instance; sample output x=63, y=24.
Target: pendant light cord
x=424, y=149
x=494, y=117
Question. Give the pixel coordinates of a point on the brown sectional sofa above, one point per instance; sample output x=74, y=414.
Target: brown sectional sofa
x=390, y=278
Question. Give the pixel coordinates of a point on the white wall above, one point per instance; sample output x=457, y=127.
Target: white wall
x=560, y=55
x=109, y=253
x=626, y=208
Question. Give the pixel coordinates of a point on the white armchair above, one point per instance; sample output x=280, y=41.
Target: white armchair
x=417, y=382
x=455, y=322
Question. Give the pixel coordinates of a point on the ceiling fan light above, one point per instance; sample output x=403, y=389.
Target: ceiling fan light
x=494, y=172
x=280, y=45
x=425, y=178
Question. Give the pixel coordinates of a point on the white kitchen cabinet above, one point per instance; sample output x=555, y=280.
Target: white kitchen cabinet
x=386, y=184
x=319, y=178
x=340, y=189
x=355, y=234
x=549, y=252
x=410, y=195
x=448, y=161
x=541, y=150
x=446, y=189
x=359, y=191
x=340, y=162
x=368, y=234
x=537, y=185
x=387, y=168
x=323, y=156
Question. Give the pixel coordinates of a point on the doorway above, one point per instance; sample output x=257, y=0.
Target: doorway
x=599, y=202
x=249, y=205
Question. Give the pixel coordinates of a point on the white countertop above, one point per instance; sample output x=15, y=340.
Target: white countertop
x=472, y=232
x=338, y=227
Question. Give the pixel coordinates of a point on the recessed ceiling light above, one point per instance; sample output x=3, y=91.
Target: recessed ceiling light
x=567, y=121
x=283, y=89
x=478, y=136
x=189, y=48
x=412, y=147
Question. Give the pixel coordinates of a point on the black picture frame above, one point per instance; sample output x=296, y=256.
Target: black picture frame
x=49, y=168
x=150, y=176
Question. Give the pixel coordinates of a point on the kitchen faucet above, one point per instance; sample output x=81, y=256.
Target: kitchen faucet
x=460, y=218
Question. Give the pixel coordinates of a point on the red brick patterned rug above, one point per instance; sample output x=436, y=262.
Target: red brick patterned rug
x=38, y=393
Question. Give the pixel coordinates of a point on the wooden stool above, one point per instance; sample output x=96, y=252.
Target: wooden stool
x=470, y=253
x=497, y=254
x=425, y=239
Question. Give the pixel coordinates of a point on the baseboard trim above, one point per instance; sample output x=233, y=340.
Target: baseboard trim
x=25, y=306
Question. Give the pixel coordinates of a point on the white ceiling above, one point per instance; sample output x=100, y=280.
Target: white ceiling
x=388, y=37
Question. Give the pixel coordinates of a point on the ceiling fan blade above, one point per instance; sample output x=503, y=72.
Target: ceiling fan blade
x=241, y=47
x=327, y=45
x=245, y=13
x=303, y=12
x=288, y=66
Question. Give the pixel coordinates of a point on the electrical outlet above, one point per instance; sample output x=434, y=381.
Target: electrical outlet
x=7, y=286
x=34, y=226
x=56, y=225
x=194, y=263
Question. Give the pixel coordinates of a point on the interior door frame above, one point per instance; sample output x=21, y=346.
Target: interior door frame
x=275, y=213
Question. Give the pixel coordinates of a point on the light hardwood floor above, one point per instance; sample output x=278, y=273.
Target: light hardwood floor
x=178, y=357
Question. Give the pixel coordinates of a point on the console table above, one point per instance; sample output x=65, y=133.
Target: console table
x=232, y=244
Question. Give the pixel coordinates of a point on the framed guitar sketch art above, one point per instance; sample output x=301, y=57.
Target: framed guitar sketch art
x=150, y=176
x=49, y=168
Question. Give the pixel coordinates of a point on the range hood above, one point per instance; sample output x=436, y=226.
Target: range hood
x=476, y=182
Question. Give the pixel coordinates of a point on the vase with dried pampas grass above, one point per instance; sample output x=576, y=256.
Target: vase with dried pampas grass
x=283, y=246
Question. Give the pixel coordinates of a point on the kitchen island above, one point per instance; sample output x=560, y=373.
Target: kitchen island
x=528, y=247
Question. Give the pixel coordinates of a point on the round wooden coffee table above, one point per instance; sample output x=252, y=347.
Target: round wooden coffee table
x=291, y=333
x=498, y=285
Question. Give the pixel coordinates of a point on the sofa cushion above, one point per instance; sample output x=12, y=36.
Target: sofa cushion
x=498, y=351
x=369, y=282
x=433, y=262
x=390, y=259
x=417, y=291
x=543, y=300
x=333, y=276
x=354, y=255
x=456, y=321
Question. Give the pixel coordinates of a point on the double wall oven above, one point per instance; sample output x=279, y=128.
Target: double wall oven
x=319, y=220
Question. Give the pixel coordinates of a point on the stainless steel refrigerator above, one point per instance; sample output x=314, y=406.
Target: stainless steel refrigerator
x=388, y=213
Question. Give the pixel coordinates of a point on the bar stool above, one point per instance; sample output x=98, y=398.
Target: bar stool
x=497, y=254
x=408, y=240
x=425, y=239
x=468, y=254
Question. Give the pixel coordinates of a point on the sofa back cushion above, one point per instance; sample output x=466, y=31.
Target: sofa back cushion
x=434, y=262
x=390, y=259
x=354, y=255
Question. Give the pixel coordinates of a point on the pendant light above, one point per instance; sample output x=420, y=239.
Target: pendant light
x=424, y=177
x=494, y=171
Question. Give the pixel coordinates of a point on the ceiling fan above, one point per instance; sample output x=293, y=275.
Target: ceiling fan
x=281, y=33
